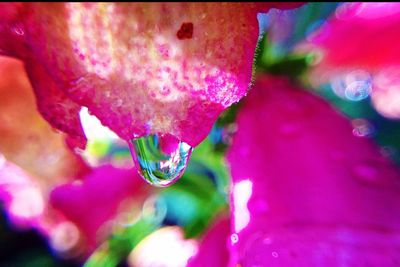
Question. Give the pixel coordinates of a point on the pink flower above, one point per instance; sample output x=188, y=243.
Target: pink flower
x=141, y=68
x=304, y=194
x=306, y=191
x=137, y=69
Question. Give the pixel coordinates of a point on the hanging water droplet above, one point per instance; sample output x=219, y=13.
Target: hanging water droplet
x=160, y=159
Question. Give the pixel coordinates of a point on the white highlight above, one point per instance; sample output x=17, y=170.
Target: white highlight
x=27, y=202
x=242, y=192
x=165, y=247
x=93, y=128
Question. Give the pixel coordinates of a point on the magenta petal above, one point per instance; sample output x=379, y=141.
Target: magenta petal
x=11, y=30
x=306, y=191
x=360, y=35
x=213, y=249
x=96, y=200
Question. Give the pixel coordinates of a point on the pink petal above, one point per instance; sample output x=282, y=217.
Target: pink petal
x=97, y=199
x=144, y=68
x=361, y=35
x=306, y=191
x=213, y=249
x=58, y=109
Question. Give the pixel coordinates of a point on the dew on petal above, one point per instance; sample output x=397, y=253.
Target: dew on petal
x=275, y=254
x=160, y=159
x=234, y=238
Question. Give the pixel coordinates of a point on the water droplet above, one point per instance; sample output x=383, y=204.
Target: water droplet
x=362, y=128
x=160, y=159
x=275, y=254
x=234, y=238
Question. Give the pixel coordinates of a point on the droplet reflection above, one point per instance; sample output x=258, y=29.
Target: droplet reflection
x=160, y=159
